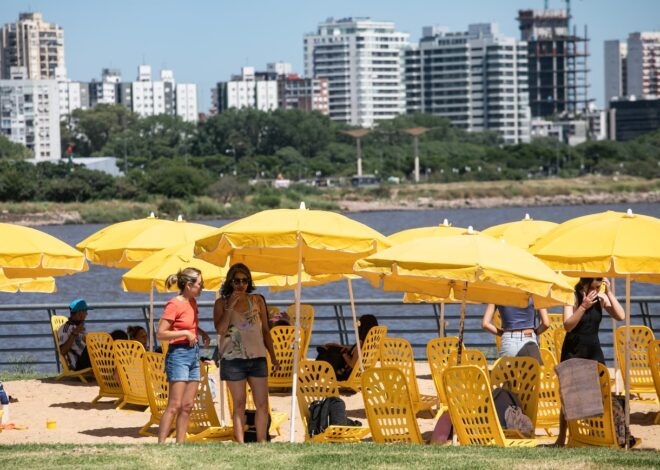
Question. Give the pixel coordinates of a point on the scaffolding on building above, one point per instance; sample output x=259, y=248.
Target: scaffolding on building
x=558, y=62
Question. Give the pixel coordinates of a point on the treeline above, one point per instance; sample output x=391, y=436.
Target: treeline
x=167, y=156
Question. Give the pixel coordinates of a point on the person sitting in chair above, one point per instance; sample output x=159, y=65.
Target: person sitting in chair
x=71, y=336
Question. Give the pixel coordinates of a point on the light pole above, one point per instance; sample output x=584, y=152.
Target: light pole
x=357, y=134
x=415, y=132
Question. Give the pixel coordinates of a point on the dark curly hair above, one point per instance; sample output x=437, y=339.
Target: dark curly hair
x=227, y=287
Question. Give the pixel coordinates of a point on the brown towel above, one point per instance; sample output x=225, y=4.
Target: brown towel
x=579, y=387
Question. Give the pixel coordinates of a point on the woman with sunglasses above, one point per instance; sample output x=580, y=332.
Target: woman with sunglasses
x=180, y=326
x=582, y=322
x=241, y=319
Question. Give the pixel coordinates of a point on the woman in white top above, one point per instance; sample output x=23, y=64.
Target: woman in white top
x=241, y=320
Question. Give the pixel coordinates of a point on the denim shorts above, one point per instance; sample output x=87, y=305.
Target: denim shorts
x=240, y=369
x=182, y=363
x=513, y=341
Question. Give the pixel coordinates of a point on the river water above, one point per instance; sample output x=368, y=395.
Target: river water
x=101, y=284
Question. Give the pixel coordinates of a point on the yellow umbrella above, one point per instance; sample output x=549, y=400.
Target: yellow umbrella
x=470, y=267
x=613, y=244
x=39, y=284
x=293, y=241
x=442, y=230
x=521, y=233
x=279, y=282
x=29, y=253
x=125, y=244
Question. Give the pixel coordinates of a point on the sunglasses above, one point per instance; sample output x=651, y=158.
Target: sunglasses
x=240, y=280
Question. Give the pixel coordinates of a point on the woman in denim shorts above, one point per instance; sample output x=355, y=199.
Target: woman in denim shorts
x=518, y=328
x=242, y=322
x=180, y=326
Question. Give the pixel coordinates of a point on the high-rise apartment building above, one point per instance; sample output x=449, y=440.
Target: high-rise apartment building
x=557, y=56
x=643, y=71
x=33, y=44
x=477, y=79
x=306, y=94
x=363, y=63
x=250, y=89
x=29, y=115
x=616, y=65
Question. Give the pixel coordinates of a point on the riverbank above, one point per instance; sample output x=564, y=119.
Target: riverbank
x=472, y=194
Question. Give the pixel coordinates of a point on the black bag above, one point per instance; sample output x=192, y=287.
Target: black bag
x=250, y=430
x=330, y=411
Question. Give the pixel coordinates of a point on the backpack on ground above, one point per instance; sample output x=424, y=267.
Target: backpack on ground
x=250, y=430
x=330, y=411
x=509, y=412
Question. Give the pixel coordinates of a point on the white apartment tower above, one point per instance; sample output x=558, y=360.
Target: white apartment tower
x=616, y=64
x=165, y=96
x=643, y=69
x=33, y=44
x=363, y=63
x=248, y=90
x=477, y=79
x=29, y=115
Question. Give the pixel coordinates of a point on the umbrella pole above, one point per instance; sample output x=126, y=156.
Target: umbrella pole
x=151, y=318
x=461, y=327
x=627, y=361
x=296, y=335
x=355, y=324
x=222, y=387
x=617, y=390
x=442, y=319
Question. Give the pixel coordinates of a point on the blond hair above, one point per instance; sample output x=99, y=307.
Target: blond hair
x=183, y=278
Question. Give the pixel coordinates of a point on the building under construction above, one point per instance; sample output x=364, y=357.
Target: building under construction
x=558, y=70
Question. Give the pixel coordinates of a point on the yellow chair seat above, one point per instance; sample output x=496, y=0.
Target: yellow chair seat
x=316, y=381
x=370, y=355
x=341, y=434
x=56, y=322
x=101, y=356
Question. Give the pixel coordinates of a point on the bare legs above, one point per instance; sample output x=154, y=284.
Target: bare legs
x=237, y=388
x=259, y=386
x=561, y=438
x=179, y=404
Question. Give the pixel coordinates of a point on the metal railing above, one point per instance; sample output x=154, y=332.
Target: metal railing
x=27, y=337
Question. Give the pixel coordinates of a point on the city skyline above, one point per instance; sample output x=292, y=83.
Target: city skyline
x=171, y=30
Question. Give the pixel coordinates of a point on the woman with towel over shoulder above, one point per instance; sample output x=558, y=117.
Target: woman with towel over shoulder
x=582, y=322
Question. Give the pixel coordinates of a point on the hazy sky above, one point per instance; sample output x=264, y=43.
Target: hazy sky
x=205, y=41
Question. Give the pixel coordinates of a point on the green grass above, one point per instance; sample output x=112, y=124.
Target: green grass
x=325, y=456
x=7, y=375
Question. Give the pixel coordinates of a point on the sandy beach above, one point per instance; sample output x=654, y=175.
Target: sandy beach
x=80, y=422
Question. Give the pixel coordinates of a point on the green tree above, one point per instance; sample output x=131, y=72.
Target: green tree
x=12, y=150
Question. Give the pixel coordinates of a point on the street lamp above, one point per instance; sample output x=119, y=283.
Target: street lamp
x=357, y=134
x=416, y=132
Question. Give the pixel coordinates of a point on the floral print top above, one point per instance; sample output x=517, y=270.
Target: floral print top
x=244, y=338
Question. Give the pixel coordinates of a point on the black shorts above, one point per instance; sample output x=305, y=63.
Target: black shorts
x=240, y=369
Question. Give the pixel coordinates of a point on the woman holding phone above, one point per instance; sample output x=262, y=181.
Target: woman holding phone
x=582, y=322
x=241, y=320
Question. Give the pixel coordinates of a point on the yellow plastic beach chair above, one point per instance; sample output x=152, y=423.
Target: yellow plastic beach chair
x=316, y=381
x=56, y=321
x=472, y=409
x=370, y=356
x=438, y=351
x=102, y=358
x=398, y=353
x=203, y=426
x=560, y=336
x=654, y=364
x=641, y=379
x=389, y=408
x=277, y=418
x=470, y=357
x=306, y=323
x=128, y=359
x=547, y=338
x=549, y=407
x=283, y=338
x=598, y=431
x=522, y=376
